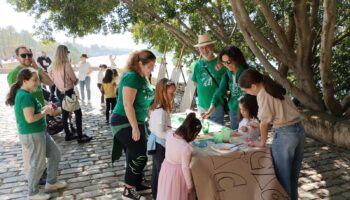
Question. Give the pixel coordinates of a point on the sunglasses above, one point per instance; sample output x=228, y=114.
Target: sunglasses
x=170, y=82
x=26, y=55
x=226, y=62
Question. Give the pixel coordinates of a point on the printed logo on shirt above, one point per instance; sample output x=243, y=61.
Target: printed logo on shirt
x=206, y=79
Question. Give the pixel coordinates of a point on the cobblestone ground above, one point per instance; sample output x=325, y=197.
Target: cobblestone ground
x=90, y=175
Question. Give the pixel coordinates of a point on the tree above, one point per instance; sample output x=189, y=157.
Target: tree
x=304, y=39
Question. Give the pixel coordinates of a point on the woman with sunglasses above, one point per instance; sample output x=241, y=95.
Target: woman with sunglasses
x=232, y=58
x=64, y=78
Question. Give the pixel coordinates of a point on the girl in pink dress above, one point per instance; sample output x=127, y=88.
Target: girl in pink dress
x=175, y=182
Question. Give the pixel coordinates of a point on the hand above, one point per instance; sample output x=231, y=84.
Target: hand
x=34, y=64
x=244, y=129
x=136, y=134
x=205, y=115
x=218, y=66
x=256, y=144
x=46, y=110
x=190, y=190
x=254, y=125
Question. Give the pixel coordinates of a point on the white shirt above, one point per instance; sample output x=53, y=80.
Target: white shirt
x=100, y=76
x=159, y=122
x=83, y=70
x=252, y=133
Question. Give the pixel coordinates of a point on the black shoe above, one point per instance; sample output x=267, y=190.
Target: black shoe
x=84, y=139
x=131, y=194
x=42, y=181
x=71, y=137
x=143, y=189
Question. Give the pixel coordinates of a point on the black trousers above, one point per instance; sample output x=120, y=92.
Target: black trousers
x=136, y=157
x=110, y=103
x=157, y=159
x=65, y=115
x=99, y=85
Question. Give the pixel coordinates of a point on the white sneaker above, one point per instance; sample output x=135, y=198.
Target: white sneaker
x=56, y=186
x=39, y=196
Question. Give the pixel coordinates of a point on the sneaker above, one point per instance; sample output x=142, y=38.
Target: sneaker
x=143, y=189
x=70, y=137
x=84, y=139
x=39, y=196
x=56, y=186
x=131, y=194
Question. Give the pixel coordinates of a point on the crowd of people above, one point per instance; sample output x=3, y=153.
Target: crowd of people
x=139, y=117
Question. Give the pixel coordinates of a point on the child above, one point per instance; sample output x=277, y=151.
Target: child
x=248, y=122
x=109, y=89
x=276, y=108
x=30, y=118
x=159, y=124
x=175, y=181
x=101, y=74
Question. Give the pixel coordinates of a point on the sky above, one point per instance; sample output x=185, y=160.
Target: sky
x=22, y=21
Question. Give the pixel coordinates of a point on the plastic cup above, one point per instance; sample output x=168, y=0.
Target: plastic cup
x=205, y=126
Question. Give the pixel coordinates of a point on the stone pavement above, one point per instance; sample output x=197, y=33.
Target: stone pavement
x=90, y=175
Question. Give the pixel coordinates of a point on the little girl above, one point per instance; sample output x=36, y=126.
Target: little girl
x=101, y=74
x=159, y=124
x=276, y=108
x=109, y=89
x=248, y=122
x=175, y=181
x=30, y=118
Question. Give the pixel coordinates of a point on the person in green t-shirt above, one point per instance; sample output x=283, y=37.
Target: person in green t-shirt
x=135, y=95
x=232, y=58
x=206, y=76
x=25, y=57
x=30, y=118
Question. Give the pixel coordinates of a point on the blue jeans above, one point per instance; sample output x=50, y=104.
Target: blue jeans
x=40, y=146
x=86, y=83
x=233, y=120
x=217, y=116
x=287, y=152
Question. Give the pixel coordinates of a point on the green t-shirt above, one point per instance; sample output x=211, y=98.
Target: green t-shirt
x=144, y=96
x=24, y=99
x=205, y=85
x=229, y=82
x=12, y=78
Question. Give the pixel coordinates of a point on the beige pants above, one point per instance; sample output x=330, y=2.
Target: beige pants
x=25, y=154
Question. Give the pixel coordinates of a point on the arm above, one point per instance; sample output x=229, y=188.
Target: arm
x=30, y=117
x=185, y=164
x=218, y=97
x=45, y=77
x=89, y=69
x=129, y=95
x=70, y=73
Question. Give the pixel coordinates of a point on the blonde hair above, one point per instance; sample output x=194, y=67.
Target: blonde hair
x=161, y=95
x=61, y=57
x=143, y=56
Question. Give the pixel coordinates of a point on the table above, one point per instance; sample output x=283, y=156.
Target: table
x=245, y=174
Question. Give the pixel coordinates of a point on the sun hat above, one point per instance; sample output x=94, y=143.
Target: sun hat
x=204, y=40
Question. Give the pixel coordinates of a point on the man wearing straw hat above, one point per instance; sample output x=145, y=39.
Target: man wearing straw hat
x=207, y=77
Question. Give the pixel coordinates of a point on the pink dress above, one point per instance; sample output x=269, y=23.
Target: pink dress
x=175, y=176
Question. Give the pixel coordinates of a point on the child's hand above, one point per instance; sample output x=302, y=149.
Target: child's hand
x=244, y=129
x=256, y=144
x=254, y=125
x=136, y=134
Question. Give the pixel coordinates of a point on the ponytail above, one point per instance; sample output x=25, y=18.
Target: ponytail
x=24, y=75
x=10, y=99
x=273, y=88
x=252, y=76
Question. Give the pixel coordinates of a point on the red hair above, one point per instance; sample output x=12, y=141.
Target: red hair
x=161, y=95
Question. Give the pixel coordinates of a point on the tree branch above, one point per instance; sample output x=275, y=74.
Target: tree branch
x=340, y=38
x=328, y=27
x=276, y=28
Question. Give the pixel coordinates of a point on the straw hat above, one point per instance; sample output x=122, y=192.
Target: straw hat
x=204, y=40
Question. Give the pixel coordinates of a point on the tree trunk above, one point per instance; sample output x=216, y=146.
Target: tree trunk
x=326, y=52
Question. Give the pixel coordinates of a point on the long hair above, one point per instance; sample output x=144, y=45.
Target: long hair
x=143, y=56
x=252, y=76
x=190, y=128
x=235, y=55
x=24, y=75
x=250, y=104
x=61, y=57
x=161, y=95
x=108, y=78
